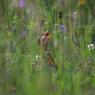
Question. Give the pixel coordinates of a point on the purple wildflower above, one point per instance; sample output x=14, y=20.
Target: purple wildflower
x=21, y=3
x=23, y=34
x=63, y=28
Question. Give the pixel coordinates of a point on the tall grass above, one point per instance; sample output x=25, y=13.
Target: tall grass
x=19, y=33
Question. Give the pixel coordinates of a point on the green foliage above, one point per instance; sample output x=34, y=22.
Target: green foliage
x=22, y=73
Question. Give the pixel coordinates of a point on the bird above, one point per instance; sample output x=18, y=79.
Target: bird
x=44, y=40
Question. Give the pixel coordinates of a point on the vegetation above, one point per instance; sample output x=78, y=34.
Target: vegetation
x=24, y=68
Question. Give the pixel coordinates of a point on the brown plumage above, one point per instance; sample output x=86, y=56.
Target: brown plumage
x=44, y=40
x=51, y=61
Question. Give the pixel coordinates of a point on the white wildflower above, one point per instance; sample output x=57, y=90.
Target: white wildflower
x=56, y=24
x=65, y=37
x=90, y=46
x=38, y=57
x=75, y=13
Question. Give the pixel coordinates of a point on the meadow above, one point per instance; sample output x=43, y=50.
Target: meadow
x=24, y=66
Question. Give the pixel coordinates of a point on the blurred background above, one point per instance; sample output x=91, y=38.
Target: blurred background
x=25, y=66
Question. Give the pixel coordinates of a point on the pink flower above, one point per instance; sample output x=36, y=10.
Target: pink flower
x=21, y=3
